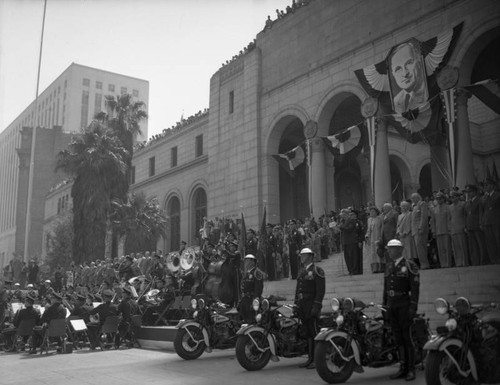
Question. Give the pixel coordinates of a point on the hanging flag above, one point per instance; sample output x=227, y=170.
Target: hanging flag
x=416, y=120
x=343, y=142
x=371, y=126
x=448, y=97
x=262, y=244
x=243, y=236
x=291, y=159
x=488, y=91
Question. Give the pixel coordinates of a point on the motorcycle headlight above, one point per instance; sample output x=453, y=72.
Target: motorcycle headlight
x=195, y=314
x=194, y=303
x=335, y=304
x=265, y=305
x=256, y=304
x=348, y=304
x=258, y=317
x=462, y=305
x=339, y=320
x=451, y=324
x=201, y=303
x=441, y=305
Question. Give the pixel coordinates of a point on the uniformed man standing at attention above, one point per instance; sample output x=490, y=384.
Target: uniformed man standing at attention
x=309, y=295
x=252, y=285
x=401, y=291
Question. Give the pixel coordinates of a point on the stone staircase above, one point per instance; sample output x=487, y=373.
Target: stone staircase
x=480, y=284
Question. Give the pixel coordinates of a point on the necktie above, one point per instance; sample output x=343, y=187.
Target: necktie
x=407, y=102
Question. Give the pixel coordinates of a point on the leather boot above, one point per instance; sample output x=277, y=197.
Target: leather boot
x=310, y=359
x=312, y=365
x=403, y=368
x=410, y=376
x=410, y=359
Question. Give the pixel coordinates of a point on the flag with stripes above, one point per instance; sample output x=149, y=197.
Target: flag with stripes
x=344, y=141
x=291, y=159
x=488, y=91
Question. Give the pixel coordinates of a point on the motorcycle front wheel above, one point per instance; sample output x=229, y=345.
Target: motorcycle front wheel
x=187, y=347
x=330, y=366
x=440, y=369
x=248, y=355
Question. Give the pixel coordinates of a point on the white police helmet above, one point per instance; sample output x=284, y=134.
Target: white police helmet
x=306, y=250
x=394, y=243
x=249, y=256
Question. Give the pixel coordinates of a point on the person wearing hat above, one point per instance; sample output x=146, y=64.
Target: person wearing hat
x=372, y=238
x=104, y=310
x=80, y=309
x=403, y=231
x=440, y=227
x=27, y=313
x=251, y=243
x=401, y=294
x=208, y=254
x=294, y=247
x=352, y=238
x=457, y=229
x=271, y=243
x=17, y=294
x=230, y=275
x=475, y=236
x=490, y=220
x=309, y=294
x=45, y=290
x=56, y=310
x=420, y=228
x=127, y=308
x=252, y=285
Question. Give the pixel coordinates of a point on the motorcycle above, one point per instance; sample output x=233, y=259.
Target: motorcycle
x=467, y=349
x=213, y=326
x=276, y=333
x=360, y=340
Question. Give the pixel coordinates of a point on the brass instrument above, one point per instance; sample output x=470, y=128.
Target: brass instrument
x=173, y=262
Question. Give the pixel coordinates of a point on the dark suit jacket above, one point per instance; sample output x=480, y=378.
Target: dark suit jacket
x=389, y=226
x=55, y=311
x=491, y=210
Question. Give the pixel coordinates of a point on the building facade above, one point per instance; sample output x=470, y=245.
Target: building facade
x=65, y=106
x=296, y=84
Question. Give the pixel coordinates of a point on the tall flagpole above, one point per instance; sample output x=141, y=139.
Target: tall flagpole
x=33, y=142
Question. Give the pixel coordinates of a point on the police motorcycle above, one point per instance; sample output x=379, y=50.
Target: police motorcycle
x=213, y=326
x=276, y=333
x=467, y=349
x=360, y=339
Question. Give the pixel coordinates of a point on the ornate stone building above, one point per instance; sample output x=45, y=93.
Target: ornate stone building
x=296, y=82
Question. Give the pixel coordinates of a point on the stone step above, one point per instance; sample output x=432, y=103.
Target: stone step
x=480, y=284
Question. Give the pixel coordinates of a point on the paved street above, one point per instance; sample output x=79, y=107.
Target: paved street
x=136, y=366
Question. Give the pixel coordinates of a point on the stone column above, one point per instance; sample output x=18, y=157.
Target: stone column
x=318, y=177
x=464, y=162
x=382, y=169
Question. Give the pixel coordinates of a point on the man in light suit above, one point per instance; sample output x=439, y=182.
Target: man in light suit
x=403, y=231
x=420, y=228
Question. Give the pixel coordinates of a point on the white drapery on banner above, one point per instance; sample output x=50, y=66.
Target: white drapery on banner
x=448, y=97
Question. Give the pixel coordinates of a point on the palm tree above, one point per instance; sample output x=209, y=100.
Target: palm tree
x=96, y=159
x=138, y=223
x=124, y=118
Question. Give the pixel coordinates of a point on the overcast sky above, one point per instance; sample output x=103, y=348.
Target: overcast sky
x=175, y=45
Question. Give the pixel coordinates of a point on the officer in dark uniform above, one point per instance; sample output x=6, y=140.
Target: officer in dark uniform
x=127, y=308
x=23, y=314
x=401, y=291
x=56, y=310
x=252, y=285
x=80, y=309
x=309, y=295
x=104, y=310
x=271, y=250
x=294, y=245
x=251, y=245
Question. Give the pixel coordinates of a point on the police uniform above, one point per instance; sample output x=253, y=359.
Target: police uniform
x=252, y=285
x=309, y=294
x=401, y=292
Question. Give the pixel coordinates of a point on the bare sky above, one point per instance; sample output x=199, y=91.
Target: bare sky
x=175, y=45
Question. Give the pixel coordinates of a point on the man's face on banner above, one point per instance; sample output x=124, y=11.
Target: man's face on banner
x=404, y=66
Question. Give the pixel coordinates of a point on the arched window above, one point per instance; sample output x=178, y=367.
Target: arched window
x=200, y=211
x=174, y=214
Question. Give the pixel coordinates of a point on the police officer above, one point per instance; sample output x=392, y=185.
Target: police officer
x=309, y=295
x=401, y=291
x=127, y=308
x=252, y=285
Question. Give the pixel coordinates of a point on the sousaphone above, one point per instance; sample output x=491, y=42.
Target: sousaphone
x=173, y=262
